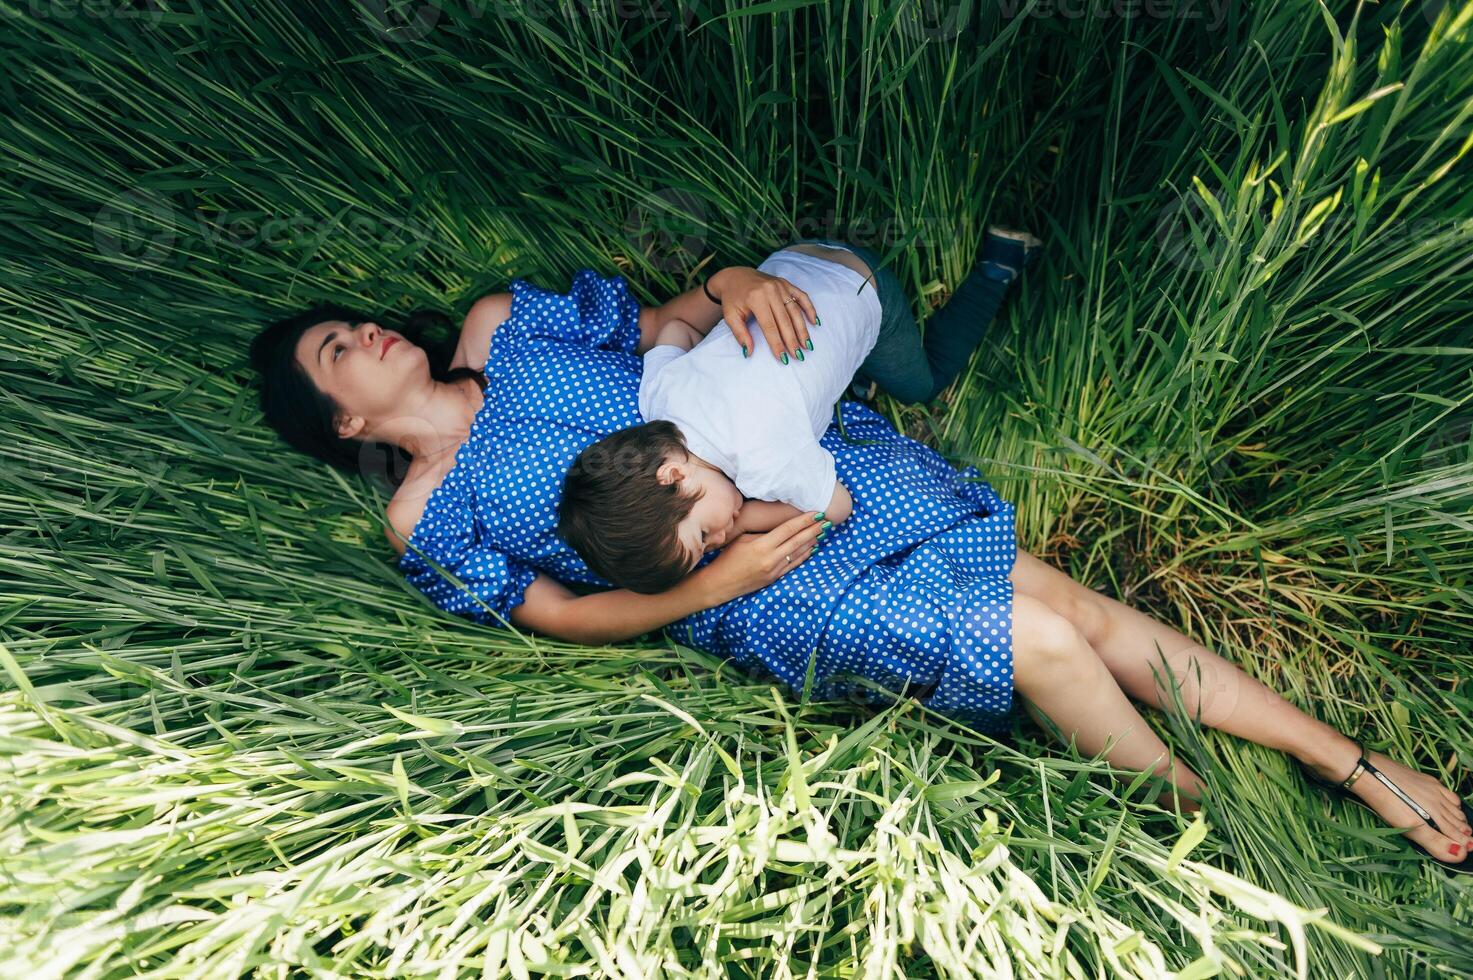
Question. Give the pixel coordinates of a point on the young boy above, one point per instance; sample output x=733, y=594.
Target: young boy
x=731, y=443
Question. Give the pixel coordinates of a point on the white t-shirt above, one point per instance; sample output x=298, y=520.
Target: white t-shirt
x=754, y=418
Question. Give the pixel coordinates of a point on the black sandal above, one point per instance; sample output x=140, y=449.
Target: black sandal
x=1363, y=765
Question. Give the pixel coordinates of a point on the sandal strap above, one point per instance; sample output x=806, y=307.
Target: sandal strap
x=1363, y=765
x=1416, y=808
x=1360, y=767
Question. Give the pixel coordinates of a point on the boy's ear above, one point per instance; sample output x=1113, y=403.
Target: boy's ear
x=670, y=471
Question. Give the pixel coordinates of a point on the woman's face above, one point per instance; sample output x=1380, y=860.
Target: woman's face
x=365, y=369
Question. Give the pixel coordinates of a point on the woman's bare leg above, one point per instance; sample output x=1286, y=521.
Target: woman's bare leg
x=1130, y=643
x=1060, y=675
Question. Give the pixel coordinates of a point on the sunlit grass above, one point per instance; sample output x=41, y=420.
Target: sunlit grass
x=1236, y=394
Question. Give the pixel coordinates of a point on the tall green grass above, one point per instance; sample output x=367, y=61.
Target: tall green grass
x=1236, y=394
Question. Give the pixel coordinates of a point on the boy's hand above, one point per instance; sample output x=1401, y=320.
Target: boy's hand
x=678, y=333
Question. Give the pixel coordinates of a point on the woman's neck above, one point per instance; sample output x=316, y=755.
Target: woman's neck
x=438, y=422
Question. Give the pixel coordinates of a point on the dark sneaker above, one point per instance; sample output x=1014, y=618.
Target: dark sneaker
x=1006, y=253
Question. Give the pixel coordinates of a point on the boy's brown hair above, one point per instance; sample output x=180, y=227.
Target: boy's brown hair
x=619, y=518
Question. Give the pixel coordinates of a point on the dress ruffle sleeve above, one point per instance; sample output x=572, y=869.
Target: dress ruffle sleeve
x=493, y=583
x=597, y=312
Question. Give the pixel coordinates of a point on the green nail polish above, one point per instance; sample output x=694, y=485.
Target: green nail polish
x=821, y=534
x=818, y=516
x=799, y=352
x=827, y=526
x=818, y=321
x=744, y=351
x=810, y=343
x=813, y=549
x=785, y=357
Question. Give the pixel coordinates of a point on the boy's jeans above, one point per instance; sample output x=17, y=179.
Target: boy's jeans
x=907, y=368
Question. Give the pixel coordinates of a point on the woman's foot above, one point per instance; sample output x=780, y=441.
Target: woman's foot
x=1451, y=847
x=1006, y=252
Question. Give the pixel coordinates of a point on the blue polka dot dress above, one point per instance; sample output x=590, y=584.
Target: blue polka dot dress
x=911, y=593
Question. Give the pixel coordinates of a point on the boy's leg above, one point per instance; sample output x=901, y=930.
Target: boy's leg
x=897, y=363
x=915, y=371
x=958, y=328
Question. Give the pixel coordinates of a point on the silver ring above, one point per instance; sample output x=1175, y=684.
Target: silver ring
x=788, y=559
x=790, y=299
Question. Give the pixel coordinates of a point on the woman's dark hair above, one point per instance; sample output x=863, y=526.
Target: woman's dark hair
x=619, y=517
x=303, y=416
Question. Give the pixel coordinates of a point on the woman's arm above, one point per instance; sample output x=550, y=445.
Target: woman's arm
x=476, y=331
x=744, y=292
x=752, y=562
x=606, y=617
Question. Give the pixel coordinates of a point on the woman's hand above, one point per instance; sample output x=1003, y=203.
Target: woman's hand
x=779, y=306
x=755, y=561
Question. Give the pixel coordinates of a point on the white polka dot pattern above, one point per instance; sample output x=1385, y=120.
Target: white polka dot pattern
x=912, y=588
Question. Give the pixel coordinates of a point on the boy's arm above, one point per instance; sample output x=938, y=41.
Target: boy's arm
x=764, y=515
x=841, y=505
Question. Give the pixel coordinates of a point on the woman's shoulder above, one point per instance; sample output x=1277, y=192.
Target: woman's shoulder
x=484, y=316
x=405, y=509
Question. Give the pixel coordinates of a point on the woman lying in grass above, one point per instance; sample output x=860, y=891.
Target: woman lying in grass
x=922, y=590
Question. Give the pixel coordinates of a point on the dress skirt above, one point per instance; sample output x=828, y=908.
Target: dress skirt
x=935, y=623
x=911, y=592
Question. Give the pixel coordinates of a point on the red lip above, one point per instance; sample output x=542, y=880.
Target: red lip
x=387, y=342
